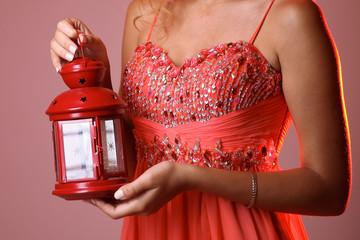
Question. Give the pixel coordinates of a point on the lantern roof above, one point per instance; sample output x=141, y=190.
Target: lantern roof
x=85, y=102
x=83, y=72
x=84, y=99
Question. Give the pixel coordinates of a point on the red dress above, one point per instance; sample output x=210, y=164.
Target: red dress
x=223, y=108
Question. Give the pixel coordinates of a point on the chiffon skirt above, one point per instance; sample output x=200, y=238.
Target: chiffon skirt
x=195, y=215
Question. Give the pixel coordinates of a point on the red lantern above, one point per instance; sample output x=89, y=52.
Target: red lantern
x=87, y=134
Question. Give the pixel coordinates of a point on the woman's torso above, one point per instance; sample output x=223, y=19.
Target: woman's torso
x=228, y=97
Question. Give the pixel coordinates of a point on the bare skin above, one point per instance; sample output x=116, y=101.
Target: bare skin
x=295, y=40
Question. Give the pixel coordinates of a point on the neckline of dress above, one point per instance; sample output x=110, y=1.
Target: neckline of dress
x=242, y=42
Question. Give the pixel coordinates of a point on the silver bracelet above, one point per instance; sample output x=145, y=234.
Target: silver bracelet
x=254, y=187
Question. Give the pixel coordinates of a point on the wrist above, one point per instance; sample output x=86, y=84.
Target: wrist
x=185, y=176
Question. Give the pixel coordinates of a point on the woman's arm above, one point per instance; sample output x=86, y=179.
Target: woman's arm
x=312, y=86
x=313, y=91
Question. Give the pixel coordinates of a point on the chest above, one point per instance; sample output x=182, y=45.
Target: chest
x=193, y=26
x=218, y=80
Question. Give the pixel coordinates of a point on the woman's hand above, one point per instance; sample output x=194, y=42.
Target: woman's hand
x=63, y=47
x=147, y=194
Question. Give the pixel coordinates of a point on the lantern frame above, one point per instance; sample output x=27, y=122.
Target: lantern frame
x=89, y=104
x=103, y=184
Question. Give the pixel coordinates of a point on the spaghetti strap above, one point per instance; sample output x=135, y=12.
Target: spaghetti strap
x=154, y=21
x=261, y=23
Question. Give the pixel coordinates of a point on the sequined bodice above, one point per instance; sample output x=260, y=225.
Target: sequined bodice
x=219, y=80
x=173, y=107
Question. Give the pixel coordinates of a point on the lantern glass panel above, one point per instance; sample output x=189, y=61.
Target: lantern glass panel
x=56, y=153
x=112, y=146
x=78, y=150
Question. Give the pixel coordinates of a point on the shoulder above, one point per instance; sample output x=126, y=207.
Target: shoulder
x=131, y=34
x=139, y=6
x=139, y=17
x=307, y=54
x=143, y=8
x=300, y=15
x=300, y=27
x=137, y=25
x=297, y=9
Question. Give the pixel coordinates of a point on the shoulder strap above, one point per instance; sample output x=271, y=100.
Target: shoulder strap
x=154, y=21
x=261, y=23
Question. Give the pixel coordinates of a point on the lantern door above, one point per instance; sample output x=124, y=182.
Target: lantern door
x=112, y=154
x=77, y=151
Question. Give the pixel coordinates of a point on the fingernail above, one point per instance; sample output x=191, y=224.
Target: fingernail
x=69, y=57
x=72, y=49
x=82, y=39
x=58, y=69
x=119, y=194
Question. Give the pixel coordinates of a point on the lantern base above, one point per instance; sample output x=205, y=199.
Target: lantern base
x=89, y=190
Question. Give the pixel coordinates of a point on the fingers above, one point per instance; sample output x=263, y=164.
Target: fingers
x=119, y=194
x=55, y=60
x=134, y=198
x=65, y=42
x=67, y=26
x=63, y=46
x=136, y=187
x=115, y=211
x=140, y=205
x=128, y=191
x=88, y=40
x=70, y=27
x=58, y=51
x=145, y=195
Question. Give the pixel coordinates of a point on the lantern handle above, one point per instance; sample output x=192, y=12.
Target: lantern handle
x=81, y=47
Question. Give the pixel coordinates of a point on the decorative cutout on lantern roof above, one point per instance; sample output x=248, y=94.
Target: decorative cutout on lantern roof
x=85, y=99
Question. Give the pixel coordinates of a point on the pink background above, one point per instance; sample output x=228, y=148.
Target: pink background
x=29, y=83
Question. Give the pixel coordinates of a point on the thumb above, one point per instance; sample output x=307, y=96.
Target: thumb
x=126, y=192
x=91, y=42
x=84, y=39
x=139, y=185
x=119, y=194
x=133, y=189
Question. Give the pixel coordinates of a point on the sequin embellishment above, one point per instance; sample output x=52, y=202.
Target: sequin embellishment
x=219, y=80
x=251, y=157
